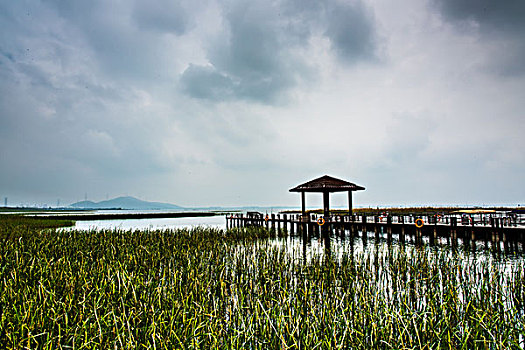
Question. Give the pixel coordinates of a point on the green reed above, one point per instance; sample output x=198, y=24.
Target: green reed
x=14, y=222
x=205, y=288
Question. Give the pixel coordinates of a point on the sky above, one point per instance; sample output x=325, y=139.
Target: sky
x=231, y=103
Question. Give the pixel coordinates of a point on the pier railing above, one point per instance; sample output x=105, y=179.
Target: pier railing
x=449, y=219
x=509, y=230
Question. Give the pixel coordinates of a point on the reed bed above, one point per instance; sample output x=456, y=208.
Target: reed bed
x=15, y=223
x=204, y=288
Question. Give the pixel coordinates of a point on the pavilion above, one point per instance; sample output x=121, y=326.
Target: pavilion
x=326, y=184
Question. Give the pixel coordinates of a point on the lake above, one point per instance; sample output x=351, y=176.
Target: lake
x=295, y=245
x=218, y=221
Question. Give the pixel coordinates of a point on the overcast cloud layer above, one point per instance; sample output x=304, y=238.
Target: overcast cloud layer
x=234, y=102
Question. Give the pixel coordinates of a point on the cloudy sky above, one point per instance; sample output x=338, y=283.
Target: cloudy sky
x=234, y=102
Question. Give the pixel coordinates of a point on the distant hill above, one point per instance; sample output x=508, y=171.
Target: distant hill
x=130, y=203
x=84, y=204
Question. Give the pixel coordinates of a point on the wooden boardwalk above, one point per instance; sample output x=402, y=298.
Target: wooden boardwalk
x=501, y=231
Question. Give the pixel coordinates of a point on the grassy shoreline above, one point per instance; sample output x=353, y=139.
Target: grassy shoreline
x=15, y=223
x=125, y=216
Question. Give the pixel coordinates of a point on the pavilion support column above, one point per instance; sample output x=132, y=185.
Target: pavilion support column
x=326, y=204
x=325, y=229
x=303, y=226
x=303, y=205
x=350, y=205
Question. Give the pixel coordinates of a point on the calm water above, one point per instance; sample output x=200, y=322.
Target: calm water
x=153, y=224
x=315, y=245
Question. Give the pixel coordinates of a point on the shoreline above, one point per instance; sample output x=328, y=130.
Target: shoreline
x=122, y=216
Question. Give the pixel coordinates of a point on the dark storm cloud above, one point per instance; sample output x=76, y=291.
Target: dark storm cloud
x=257, y=56
x=500, y=22
x=351, y=31
x=250, y=61
x=207, y=83
x=507, y=15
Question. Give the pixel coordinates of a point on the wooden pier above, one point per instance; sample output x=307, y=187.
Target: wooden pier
x=505, y=231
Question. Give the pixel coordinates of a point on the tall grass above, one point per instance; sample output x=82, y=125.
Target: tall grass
x=204, y=288
x=14, y=223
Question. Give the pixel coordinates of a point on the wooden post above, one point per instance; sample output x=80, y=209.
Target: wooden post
x=272, y=225
x=434, y=231
x=389, y=227
x=326, y=205
x=364, y=232
x=433, y=236
x=303, y=204
x=453, y=230
x=495, y=236
x=376, y=226
x=326, y=213
x=504, y=236
x=401, y=220
x=350, y=204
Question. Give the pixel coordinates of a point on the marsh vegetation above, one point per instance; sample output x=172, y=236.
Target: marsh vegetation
x=207, y=288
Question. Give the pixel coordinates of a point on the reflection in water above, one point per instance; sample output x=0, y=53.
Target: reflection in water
x=336, y=244
x=331, y=241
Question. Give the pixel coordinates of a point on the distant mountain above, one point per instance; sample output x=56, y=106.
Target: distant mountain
x=84, y=204
x=130, y=203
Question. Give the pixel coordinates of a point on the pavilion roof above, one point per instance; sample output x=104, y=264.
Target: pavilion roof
x=327, y=184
